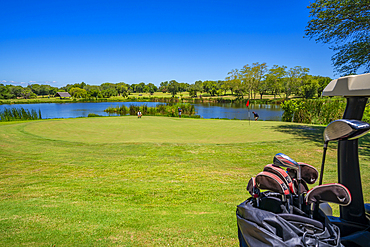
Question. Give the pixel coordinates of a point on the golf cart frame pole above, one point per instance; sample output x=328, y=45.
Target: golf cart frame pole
x=356, y=89
x=348, y=165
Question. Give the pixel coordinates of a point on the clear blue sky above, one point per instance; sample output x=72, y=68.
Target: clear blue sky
x=61, y=42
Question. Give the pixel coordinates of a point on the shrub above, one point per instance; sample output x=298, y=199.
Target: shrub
x=93, y=115
x=313, y=111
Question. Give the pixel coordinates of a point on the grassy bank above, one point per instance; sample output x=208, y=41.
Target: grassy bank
x=147, y=97
x=154, y=181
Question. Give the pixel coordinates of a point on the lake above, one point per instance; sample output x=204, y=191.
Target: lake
x=205, y=110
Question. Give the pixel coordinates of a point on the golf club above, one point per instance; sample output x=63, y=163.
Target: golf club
x=342, y=129
x=281, y=159
x=331, y=193
x=253, y=190
x=269, y=181
x=282, y=175
x=308, y=173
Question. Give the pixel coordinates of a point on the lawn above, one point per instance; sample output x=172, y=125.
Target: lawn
x=154, y=181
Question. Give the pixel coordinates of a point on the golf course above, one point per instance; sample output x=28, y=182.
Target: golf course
x=153, y=181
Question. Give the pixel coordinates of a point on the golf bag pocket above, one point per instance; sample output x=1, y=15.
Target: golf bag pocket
x=257, y=227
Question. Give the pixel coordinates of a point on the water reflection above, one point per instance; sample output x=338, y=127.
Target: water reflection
x=205, y=110
x=239, y=111
x=73, y=110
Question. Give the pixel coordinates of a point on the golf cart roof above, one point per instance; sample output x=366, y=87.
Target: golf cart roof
x=353, y=85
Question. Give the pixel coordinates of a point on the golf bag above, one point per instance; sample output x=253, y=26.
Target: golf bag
x=287, y=213
x=258, y=227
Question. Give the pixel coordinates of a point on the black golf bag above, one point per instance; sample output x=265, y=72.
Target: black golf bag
x=286, y=213
x=259, y=227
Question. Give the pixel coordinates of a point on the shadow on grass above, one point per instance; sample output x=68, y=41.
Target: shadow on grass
x=315, y=134
x=303, y=132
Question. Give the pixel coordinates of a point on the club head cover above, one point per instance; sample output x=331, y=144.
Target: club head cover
x=308, y=173
x=252, y=188
x=282, y=174
x=303, y=186
x=333, y=193
x=271, y=182
x=281, y=159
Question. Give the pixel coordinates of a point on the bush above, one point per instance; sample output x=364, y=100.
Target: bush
x=313, y=111
x=93, y=115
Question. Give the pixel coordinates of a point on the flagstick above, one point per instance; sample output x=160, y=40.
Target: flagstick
x=249, y=112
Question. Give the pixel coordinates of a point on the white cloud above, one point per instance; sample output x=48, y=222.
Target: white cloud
x=29, y=82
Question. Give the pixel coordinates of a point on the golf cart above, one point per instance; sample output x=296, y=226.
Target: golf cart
x=287, y=214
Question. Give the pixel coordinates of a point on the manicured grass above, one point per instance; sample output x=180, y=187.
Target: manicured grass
x=154, y=181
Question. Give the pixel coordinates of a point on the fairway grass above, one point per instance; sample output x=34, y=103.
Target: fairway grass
x=154, y=181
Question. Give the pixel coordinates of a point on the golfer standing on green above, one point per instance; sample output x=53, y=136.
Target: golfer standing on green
x=179, y=109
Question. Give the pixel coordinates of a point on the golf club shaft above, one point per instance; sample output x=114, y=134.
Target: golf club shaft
x=299, y=177
x=323, y=162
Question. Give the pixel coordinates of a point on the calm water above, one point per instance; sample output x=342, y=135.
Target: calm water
x=206, y=110
x=239, y=111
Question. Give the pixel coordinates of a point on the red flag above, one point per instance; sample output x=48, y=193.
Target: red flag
x=247, y=104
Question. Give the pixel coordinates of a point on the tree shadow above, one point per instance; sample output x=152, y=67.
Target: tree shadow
x=305, y=132
x=315, y=134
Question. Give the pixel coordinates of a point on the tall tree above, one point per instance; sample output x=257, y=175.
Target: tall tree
x=323, y=82
x=293, y=79
x=163, y=86
x=308, y=87
x=275, y=78
x=234, y=82
x=246, y=77
x=251, y=77
x=258, y=72
x=173, y=87
x=78, y=92
x=346, y=26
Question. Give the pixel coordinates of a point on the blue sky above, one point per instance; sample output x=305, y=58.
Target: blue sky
x=93, y=41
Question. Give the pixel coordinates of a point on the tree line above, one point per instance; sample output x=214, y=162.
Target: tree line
x=250, y=81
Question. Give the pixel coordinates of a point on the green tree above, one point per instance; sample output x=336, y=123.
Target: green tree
x=258, y=73
x=27, y=93
x=346, y=26
x=5, y=92
x=210, y=87
x=93, y=91
x=44, y=90
x=173, y=87
x=251, y=78
x=233, y=82
x=152, y=88
x=35, y=88
x=323, y=82
x=163, y=86
x=308, y=87
x=107, y=93
x=293, y=79
x=122, y=89
x=78, y=92
x=275, y=78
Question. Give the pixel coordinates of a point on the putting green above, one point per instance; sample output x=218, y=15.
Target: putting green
x=130, y=129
